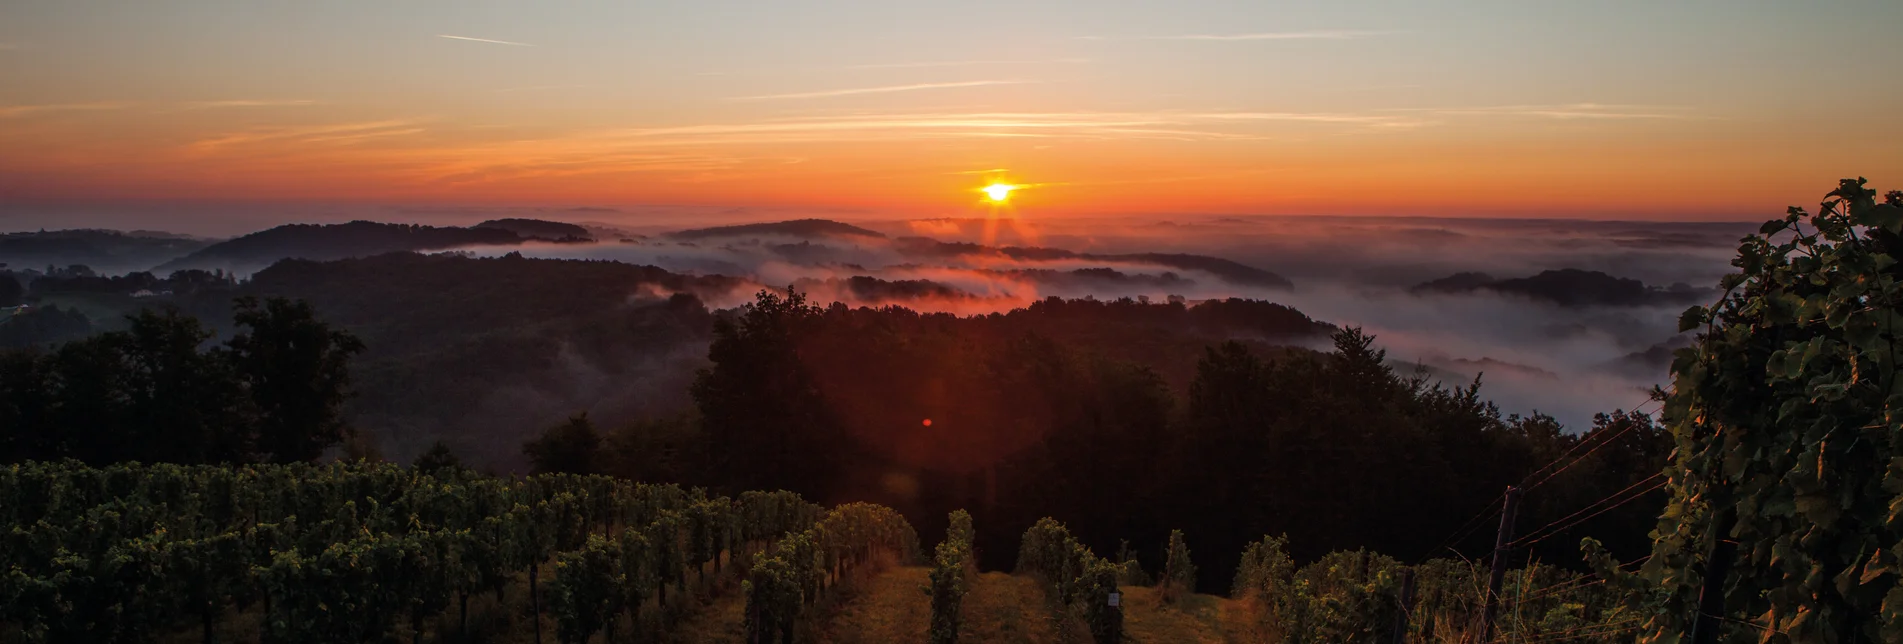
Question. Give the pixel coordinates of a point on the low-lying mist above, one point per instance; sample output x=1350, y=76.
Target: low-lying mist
x=1533, y=352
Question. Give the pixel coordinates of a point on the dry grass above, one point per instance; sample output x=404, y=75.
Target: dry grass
x=891, y=608
x=1007, y=609
x=1203, y=619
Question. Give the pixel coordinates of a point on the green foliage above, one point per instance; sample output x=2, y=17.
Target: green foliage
x=951, y=564
x=1179, y=574
x=796, y=572
x=1788, y=417
x=1265, y=584
x=1079, y=582
x=1132, y=574
x=342, y=552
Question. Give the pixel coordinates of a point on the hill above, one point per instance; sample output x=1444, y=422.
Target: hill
x=105, y=251
x=1231, y=271
x=1568, y=287
x=334, y=241
x=541, y=229
x=803, y=228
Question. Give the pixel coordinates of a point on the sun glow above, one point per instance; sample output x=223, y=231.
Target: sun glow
x=999, y=191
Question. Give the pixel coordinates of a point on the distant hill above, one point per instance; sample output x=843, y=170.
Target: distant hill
x=1231, y=271
x=540, y=229
x=1570, y=287
x=105, y=251
x=335, y=241
x=805, y=228
x=1456, y=283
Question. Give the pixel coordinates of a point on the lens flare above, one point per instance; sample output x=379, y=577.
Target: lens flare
x=999, y=191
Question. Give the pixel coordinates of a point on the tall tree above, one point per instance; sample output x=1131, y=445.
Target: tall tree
x=759, y=405
x=185, y=403
x=573, y=447
x=297, y=371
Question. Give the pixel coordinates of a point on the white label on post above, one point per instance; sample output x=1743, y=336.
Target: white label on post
x=1116, y=599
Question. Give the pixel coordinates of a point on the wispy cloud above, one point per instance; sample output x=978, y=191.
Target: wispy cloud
x=968, y=63
x=493, y=42
x=878, y=90
x=207, y=105
x=1320, y=34
x=332, y=133
x=1179, y=126
x=19, y=111
x=1331, y=34
x=537, y=88
x=1572, y=111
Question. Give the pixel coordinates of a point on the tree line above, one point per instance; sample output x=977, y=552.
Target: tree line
x=160, y=391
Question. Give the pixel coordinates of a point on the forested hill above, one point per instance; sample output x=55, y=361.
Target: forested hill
x=1571, y=287
x=1232, y=271
x=803, y=228
x=107, y=251
x=484, y=351
x=334, y=241
x=541, y=229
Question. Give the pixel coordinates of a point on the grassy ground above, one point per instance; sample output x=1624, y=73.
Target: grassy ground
x=891, y=608
x=1003, y=608
x=1204, y=619
x=887, y=607
x=722, y=622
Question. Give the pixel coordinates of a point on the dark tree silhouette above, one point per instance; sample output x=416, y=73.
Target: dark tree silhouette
x=436, y=459
x=296, y=369
x=573, y=447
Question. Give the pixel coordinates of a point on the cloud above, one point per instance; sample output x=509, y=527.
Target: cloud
x=493, y=42
x=1569, y=111
x=537, y=88
x=966, y=63
x=309, y=134
x=1088, y=125
x=20, y=111
x=879, y=90
x=204, y=105
x=1325, y=34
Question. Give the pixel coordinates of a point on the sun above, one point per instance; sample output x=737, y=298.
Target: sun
x=999, y=191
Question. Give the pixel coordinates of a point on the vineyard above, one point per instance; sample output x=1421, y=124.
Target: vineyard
x=378, y=552
x=368, y=552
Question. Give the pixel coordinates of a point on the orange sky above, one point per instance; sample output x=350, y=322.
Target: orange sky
x=1705, y=110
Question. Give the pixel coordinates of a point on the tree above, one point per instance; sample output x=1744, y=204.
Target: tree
x=1179, y=574
x=759, y=402
x=1788, y=419
x=437, y=459
x=572, y=447
x=185, y=404
x=10, y=290
x=297, y=371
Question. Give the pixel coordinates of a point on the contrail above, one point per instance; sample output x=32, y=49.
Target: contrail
x=498, y=42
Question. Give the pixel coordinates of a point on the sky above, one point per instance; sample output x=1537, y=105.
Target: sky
x=1685, y=110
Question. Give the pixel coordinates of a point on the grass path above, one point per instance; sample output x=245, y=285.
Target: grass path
x=722, y=622
x=891, y=607
x=1004, y=608
x=1203, y=619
